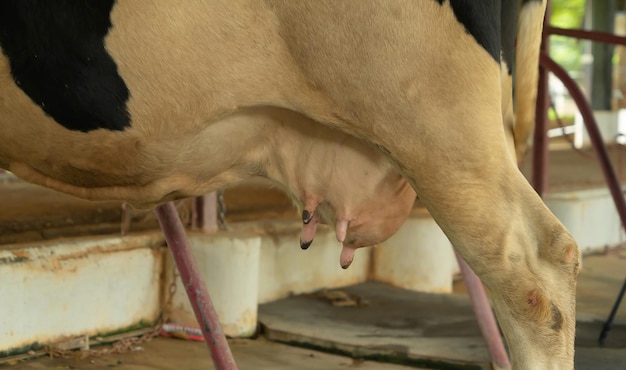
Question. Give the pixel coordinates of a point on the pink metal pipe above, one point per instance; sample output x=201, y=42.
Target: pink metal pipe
x=540, y=143
x=194, y=285
x=588, y=35
x=204, y=215
x=484, y=316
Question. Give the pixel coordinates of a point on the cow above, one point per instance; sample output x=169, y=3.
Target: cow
x=122, y=100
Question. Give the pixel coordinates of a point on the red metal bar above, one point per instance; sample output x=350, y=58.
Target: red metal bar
x=194, y=285
x=204, y=214
x=484, y=316
x=540, y=145
x=594, y=133
x=587, y=35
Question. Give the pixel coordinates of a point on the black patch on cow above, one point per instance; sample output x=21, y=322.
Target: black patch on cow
x=509, y=15
x=306, y=217
x=57, y=57
x=481, y=19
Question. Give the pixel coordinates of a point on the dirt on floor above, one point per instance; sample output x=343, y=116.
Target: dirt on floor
x=176, y=354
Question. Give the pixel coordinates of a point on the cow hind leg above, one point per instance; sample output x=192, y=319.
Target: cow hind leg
x=459, y=164
x=433, y=106
x=523, y=254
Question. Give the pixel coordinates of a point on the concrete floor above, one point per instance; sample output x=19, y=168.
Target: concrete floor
x=440, y=329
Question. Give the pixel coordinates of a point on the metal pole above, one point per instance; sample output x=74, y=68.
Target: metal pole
x=589, y=35
x=194, y=285
x=204, y=214
x=609, y=322
x=540, y=145
x=484, y=316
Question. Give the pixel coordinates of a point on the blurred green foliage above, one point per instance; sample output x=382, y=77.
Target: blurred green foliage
x=567, y=51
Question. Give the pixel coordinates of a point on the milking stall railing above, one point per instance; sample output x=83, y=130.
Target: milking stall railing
x=540, y=147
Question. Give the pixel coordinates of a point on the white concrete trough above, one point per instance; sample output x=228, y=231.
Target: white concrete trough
x=229, y=265
x=590, y=215
x=286, y=269
x=418, y=257
x=247, y=266
x=83, y=286
x=612, y=126
x=261, y=262
x=90, y=286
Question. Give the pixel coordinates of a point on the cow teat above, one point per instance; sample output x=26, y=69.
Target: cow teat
x=347, y=256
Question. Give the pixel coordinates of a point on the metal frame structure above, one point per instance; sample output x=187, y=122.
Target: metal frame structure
x=540, y=148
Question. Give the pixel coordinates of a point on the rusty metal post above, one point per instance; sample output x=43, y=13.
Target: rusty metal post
x=540, y=145
x=484, y=316
x=194, y=285
x=204, y=213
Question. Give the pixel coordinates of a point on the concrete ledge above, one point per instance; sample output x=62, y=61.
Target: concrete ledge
x=590, y=215
x=229, y=264
x=83, y=286
x=260, y=262
x=286, y=269
x=418, y=257
x=86, y=286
